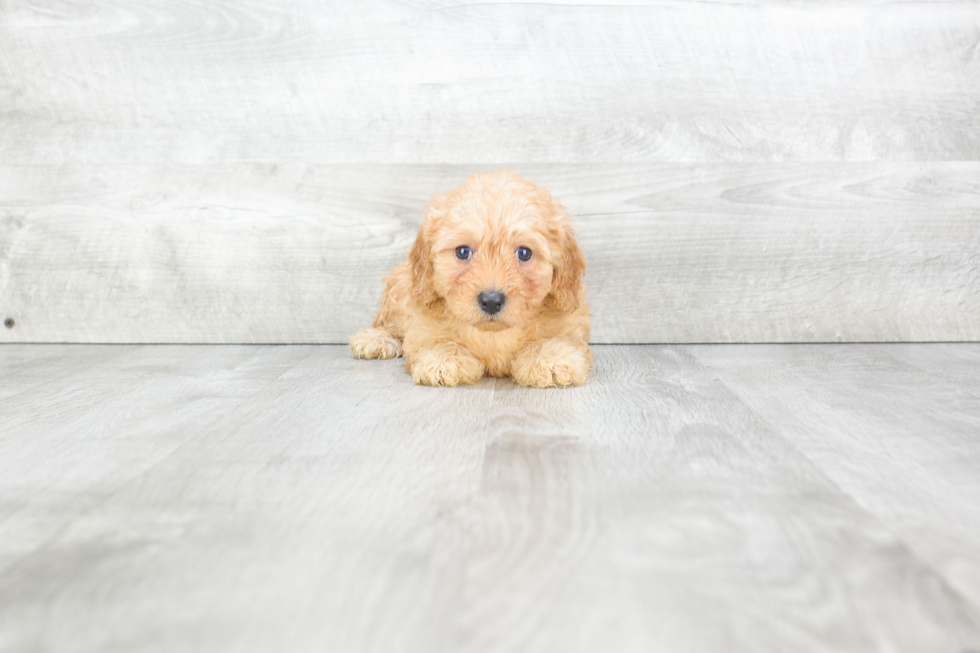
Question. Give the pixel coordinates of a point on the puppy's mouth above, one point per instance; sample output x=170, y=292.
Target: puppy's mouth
x=491, y=324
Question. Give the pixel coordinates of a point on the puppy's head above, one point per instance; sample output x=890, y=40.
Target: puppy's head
x=497, y=250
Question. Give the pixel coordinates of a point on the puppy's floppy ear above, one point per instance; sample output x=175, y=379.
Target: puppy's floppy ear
x=420, y=261
x=420, y=256
x=566, y=283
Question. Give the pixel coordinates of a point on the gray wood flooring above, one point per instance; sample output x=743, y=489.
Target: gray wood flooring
x=688, y=498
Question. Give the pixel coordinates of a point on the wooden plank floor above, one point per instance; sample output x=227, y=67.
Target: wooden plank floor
x=689, y=498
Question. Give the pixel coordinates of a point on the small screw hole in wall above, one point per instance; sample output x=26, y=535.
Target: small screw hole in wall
x=9, y=323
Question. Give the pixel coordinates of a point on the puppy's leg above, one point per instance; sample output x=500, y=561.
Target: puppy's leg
x=445, y=364
x=552, y=362
x=375, y=343
x=384, y=339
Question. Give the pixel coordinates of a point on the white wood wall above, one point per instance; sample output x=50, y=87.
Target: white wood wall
x=248, y=170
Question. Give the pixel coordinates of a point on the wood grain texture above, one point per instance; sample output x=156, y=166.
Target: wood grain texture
x=291, y=523
x=911, y=412
x=652, y=510
x=25, y=368
x=336, y=506
x=677, y=253
x=434, y=81
x=70, y=442
x=247, y=171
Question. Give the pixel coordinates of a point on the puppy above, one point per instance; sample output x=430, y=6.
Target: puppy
x=492, y=286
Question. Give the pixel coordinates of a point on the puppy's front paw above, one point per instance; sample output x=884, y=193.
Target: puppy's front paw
x=556, y=364
x=444, y=368
x=375, y=343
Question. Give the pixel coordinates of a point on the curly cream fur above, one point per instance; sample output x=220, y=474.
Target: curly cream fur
x=429, y=311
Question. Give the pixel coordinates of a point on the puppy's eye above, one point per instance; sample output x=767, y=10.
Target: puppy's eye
x=463, y=253
x=523, y=253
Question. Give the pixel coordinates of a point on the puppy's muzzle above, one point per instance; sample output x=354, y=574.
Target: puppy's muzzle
x=491, y=302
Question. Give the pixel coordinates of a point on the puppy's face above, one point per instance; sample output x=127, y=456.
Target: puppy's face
x=496, y=250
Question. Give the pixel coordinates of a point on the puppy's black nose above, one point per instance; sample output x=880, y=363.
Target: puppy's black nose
x=491, y=302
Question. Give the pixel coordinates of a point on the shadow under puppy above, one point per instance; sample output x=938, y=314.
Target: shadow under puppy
x=492, y=286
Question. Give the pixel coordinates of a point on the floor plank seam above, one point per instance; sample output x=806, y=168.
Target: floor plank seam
x=966, y=601
x=128, y=349
x=933, y=374
x=732, y=488
x=101, y=501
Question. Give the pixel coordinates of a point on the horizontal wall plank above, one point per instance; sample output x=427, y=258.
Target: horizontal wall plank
x=678, y=253
x=206, y=81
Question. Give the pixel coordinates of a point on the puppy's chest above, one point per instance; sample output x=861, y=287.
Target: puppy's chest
x=495, y=350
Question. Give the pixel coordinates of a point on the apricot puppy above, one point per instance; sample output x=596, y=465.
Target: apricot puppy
x=492, y=286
